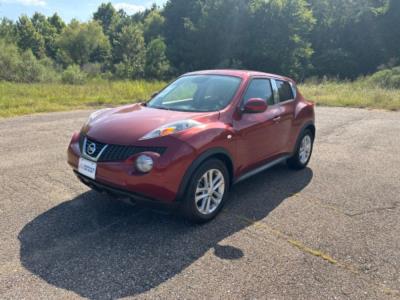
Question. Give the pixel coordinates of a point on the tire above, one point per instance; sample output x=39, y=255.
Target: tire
x=303, y=152
x=199, y=211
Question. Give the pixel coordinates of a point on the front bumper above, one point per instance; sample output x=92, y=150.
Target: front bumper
x=162, y=184
x=133, y=197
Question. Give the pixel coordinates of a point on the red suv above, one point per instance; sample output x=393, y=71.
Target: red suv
x=196, y=138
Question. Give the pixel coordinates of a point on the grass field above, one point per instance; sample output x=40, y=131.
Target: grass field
x=352, y=94
x=20, y=99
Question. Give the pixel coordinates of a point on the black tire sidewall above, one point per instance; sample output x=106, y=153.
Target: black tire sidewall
x=190, y=210
x=294, y=162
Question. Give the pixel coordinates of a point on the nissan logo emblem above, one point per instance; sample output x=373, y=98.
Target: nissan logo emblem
x=91, y=149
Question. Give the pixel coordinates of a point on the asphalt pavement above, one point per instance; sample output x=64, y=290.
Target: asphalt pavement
x=331, y=231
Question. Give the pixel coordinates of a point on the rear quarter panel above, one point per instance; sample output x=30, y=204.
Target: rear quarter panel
x=304, y=114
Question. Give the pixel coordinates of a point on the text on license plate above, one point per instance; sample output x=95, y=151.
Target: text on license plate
x=87, y=168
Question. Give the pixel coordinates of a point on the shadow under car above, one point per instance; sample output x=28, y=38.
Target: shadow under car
x=100, y=248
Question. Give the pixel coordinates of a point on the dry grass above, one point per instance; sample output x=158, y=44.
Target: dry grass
x=351, y=94
x=20, y=99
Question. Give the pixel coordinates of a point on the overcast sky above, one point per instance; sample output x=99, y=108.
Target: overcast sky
x=68, y=9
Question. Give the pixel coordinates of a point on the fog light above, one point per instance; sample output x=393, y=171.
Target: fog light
x=144, y=163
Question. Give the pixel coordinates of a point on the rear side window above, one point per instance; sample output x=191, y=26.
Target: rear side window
x=260, y=88
x=284, y=90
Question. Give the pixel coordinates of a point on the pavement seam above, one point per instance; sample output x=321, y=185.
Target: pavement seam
x=378, y=209
x=336, y=209
x=318, y=253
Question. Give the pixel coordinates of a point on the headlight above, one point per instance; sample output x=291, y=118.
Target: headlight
x=171, y=128
x=144, y=163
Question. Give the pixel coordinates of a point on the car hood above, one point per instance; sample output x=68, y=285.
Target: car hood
x=126, y=125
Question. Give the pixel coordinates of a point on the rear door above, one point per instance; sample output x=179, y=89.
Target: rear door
x=285, y=96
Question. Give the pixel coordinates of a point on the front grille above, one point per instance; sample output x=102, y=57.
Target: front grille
x=111, y=153
x=93, y=149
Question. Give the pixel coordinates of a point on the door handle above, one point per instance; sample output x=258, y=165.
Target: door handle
x=277, y=119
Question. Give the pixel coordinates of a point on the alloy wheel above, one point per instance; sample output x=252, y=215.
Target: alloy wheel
x=305, y=149
x=210, y=191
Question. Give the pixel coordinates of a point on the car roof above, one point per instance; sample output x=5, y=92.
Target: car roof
x=238, y=73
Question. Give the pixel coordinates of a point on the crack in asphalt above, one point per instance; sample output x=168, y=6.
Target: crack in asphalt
x=319, y=254
x=378, y=209
x=340, y=211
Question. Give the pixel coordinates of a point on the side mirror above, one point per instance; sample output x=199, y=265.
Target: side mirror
x=255, y=106
x=154, y=94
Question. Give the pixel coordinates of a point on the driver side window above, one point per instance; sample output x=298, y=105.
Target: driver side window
x=260, y=88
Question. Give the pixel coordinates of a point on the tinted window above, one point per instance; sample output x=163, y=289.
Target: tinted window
x=284, y=90
x=260, y=88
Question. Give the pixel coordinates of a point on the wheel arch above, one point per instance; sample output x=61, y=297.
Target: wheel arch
x=217, y=153
x=307, y=126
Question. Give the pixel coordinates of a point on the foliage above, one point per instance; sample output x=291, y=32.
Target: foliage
x=10, y=62
x=47, y=31
x=8, y=31
x=57, y=23
x=93, y=70
x=81, y=43
x=108, y=17
x=24, y=67
x=157, y=65
x=279, y=32
x=348, y=37
x=180, y=30
x=29, y=38
x=130, y=52
x=299, y=38
x=389, y=78
x=263, y=35
x=73, y=75
x=153, y=25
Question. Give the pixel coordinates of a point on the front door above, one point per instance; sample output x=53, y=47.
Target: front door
x=258, y=134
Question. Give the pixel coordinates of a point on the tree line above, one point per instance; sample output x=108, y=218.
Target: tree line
x=299, y=38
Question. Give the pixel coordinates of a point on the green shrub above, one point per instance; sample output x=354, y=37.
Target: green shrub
x=93, y=70
x=73, y=75
x=33, y=70
x=24, y=67
x=389, y=78
x=9, y=61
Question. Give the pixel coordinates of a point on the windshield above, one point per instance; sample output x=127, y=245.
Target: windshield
x=197, y=93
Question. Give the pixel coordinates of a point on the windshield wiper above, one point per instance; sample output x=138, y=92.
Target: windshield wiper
x=160, y=107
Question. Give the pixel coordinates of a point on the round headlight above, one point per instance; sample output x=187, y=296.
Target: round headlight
x=144, y=163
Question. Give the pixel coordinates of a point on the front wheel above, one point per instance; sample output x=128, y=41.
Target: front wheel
x=303, y=152
x=207, y=192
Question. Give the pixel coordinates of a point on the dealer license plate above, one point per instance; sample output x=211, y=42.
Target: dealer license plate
x=87, y=168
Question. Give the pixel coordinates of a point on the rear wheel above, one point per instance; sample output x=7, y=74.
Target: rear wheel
x=303, y=152
x=207, y=192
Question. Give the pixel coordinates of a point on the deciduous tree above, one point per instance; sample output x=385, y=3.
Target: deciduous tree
x=29, y=37
x=157, y=65
x=130, y=52
x=80, y=43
